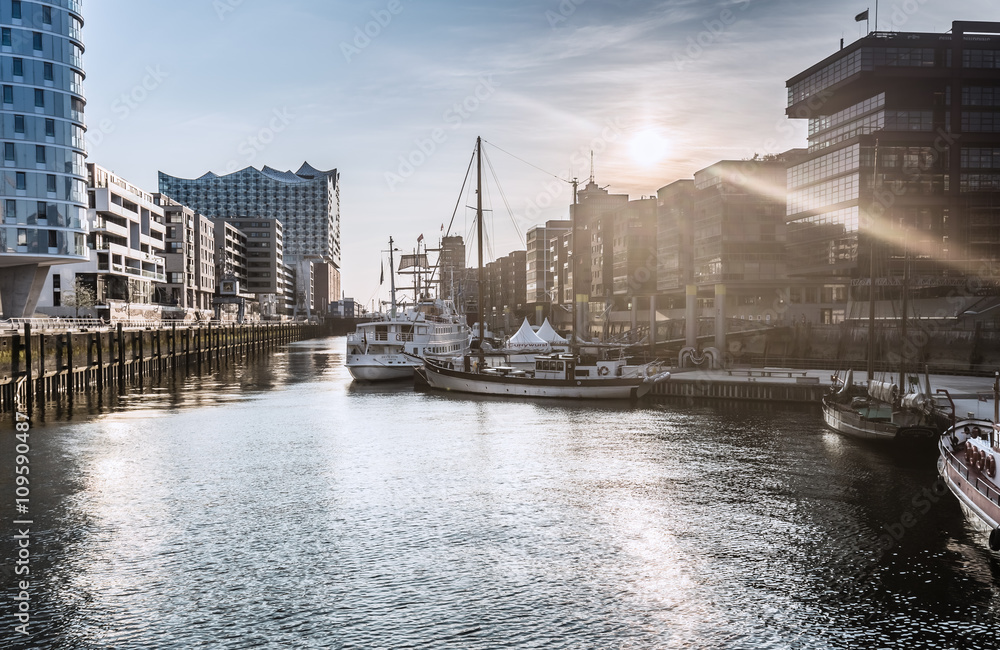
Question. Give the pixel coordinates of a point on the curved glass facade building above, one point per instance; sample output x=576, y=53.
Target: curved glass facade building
x=43, y=197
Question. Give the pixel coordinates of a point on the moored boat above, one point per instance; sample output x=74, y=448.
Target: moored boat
x=969, y=455
x=553, y=375
x=391, y=345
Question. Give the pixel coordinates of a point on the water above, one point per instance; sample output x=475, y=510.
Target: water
x=282, y=506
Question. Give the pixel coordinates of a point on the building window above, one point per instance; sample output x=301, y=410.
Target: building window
x=15, y=9
x=40, y=154
x=18, y=67
x=5, y=38
x=46, y=15
x=18, y=124
x=10, y=209
x=48, y=71
x=42, y=208
x=8, y=94
x=50, y=183
x=50, y=128
x=8, y=151
x=36, y=40
x=20, y=181
x=39, y=98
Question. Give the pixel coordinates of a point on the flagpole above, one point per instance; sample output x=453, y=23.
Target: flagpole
x=876, y=16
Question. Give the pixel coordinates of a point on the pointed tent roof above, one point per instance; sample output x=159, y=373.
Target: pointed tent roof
x=526, y=340
x=549, y=335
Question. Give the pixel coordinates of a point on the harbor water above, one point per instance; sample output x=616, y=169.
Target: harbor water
x=280, y=505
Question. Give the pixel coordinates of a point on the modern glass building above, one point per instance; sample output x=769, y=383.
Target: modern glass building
x=43, y=195
x=307, y=202
x=903, y=159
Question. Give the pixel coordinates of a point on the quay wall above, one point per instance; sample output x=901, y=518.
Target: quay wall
x=36, y=367
x=695, y=385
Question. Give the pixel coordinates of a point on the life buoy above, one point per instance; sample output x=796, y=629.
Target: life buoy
x=603, y=370
x=398, y=337
x=980, y=457
x=991, y=466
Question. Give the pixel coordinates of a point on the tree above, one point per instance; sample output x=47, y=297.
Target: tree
x=81, y=297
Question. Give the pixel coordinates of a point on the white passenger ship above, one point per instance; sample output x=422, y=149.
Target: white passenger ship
x=391, y=347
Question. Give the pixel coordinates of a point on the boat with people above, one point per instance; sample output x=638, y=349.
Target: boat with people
x=969, y=453
x=391, y=345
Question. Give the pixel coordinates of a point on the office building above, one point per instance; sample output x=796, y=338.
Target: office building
x=44, y=195
x=903, y=163
x=540, y=285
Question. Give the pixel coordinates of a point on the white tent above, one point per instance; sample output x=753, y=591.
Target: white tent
x=549, y=335
x=525, y=340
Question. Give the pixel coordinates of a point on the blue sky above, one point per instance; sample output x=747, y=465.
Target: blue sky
x=394, y=92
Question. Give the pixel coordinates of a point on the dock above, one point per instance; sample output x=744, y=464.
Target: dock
x=971, y=395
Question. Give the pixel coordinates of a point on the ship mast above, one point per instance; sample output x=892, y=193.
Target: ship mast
x=392, y=281
x=871, y=279
x=479, y=239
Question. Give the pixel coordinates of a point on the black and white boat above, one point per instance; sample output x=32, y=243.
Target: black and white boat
x=969, y=455
x=553, y=375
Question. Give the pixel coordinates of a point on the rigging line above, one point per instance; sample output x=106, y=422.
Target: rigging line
x=528, y=163
x=458, y=201
x=503, y=197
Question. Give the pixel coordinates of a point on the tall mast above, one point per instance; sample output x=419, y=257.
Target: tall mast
x=902, y=322
x=479, y=237
x=573, y=245
x=871, y=274
x=392, y=281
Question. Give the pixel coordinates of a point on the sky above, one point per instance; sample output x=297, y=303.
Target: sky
x=393, y=94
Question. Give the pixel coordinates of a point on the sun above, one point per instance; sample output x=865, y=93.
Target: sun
x=648, y=147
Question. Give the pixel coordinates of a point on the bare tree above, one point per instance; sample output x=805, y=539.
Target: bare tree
x=81, y=297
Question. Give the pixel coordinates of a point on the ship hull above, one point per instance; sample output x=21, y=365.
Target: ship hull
x=483, y=384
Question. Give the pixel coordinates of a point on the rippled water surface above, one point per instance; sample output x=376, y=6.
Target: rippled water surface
x=283, y=506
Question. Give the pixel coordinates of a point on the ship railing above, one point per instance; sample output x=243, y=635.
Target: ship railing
x=980, y=486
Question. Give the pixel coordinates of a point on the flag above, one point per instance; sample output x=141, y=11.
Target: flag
x=442, y=227
x=861, y=16
x=381, y=278
x=420, y=238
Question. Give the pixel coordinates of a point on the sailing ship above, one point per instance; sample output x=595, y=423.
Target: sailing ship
x=393, y=344
x=566, y=375
x=882, y=410
x=969, y=453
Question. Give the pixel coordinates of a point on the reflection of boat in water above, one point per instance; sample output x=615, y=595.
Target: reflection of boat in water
x=969, y=455
x=553, y=375
x=392, y=345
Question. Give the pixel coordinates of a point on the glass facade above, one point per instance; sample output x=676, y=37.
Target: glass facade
x=43, y=178
x=306, y=202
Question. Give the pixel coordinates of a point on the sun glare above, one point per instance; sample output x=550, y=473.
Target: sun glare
x=648, y=147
